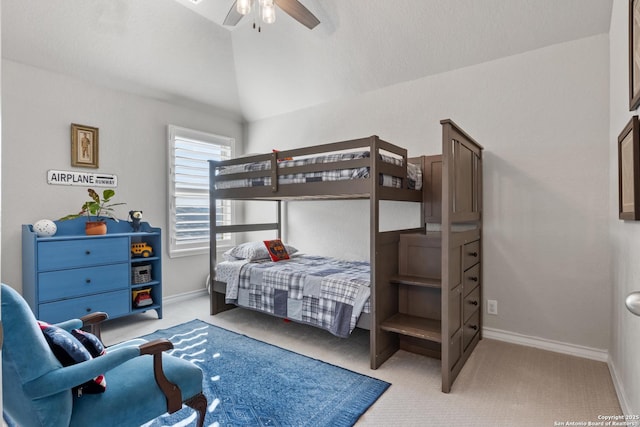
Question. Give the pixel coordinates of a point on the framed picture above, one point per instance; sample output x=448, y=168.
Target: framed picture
x=634, y=54
x=84, y=146
x=629, y=171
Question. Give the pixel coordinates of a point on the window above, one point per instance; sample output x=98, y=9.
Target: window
x=189, y=152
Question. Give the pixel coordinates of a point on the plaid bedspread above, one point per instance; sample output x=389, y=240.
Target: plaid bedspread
x=414, y=172
x=324, y=292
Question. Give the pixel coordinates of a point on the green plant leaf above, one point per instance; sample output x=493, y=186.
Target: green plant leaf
x=94, y=195
x=108, y=194
x=96, y=207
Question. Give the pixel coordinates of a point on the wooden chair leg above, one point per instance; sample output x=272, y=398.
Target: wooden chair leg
x=199, y=403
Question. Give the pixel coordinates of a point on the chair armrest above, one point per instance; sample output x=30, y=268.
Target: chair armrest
x=65, y=378
x=156, y=346
x=171, y=391
x=70, y=324
x=93, y=322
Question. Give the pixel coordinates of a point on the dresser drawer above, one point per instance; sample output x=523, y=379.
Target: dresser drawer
x=471, y=278
x=54, y=285
x=471, y=303
x=471, y=328
x=82, y=253
x=471, y=254
x=113, y=303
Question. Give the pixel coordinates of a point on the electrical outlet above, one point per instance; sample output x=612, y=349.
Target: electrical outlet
x=492, y=306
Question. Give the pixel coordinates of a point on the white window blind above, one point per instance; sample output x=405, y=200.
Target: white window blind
x=189, y=152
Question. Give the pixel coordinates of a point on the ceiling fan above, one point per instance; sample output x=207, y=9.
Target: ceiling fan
x=293, y=8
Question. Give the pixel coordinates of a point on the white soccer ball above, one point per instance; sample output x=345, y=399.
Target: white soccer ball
x=45, y=227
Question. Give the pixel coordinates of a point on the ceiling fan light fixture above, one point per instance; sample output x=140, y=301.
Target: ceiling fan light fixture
x=268, y=13
x=243, y=6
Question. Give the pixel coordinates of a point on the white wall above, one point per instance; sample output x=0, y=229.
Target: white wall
x=1, y=397
x=625, y=235
x=542, y=118
x=38, y=107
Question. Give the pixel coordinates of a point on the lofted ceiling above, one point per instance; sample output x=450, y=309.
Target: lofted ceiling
x=181, y=52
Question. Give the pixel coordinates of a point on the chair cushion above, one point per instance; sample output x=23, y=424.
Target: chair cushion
x=133, y=390
x=69, y=351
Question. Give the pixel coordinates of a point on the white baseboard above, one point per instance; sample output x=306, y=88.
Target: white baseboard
x=624, y=404
x=545, y=344
x=183, y=296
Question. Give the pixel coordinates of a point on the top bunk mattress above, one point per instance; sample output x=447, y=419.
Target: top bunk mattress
x=414, y=172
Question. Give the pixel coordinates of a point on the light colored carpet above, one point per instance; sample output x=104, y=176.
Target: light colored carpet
x=502, y=384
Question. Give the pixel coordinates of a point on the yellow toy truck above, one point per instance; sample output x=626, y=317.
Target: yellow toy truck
x=141, y=249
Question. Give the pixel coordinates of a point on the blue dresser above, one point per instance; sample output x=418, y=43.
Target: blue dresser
x=70, y=274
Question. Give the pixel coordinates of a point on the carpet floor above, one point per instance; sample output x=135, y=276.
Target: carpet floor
x=251, y=383
x=502, y=384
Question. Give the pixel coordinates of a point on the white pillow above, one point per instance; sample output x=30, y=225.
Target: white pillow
x=252, y=251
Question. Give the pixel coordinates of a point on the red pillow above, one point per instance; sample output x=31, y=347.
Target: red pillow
x=276, y=249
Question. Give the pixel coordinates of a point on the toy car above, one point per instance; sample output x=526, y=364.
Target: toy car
x=141, y=249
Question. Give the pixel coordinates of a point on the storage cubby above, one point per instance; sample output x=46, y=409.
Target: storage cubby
x=419, y=293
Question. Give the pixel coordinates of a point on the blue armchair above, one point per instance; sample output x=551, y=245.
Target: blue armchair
x=142, y=382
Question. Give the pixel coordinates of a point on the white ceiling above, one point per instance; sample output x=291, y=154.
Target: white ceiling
x=162, y=48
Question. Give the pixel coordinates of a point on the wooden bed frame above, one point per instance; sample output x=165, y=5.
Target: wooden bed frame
x=451, y=194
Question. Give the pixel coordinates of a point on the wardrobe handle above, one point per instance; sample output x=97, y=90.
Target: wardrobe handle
x=473, y=254
x=474, y=327
x=473, y=302
x=473, y=279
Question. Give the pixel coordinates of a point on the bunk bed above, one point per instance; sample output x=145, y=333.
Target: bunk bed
x=405, y=265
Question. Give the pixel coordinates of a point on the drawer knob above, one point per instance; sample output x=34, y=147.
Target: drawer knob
x=88, y=309
x=474, y=327
x=473, y=254
x=473, y=279
x=87, y=281
x=473, y=302
x=87, y=252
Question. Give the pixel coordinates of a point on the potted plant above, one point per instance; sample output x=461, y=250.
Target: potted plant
x=100, y=208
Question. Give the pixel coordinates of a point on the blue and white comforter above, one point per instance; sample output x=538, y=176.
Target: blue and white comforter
x=414, y=172
x=324, y=292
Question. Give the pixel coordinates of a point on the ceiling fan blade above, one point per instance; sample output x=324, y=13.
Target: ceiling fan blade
x=233, y=17
x=297, y=11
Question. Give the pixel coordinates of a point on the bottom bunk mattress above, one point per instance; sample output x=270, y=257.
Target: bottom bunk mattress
x=324, y=292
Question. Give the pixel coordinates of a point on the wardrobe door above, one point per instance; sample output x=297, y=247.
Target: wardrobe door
x=467, y=181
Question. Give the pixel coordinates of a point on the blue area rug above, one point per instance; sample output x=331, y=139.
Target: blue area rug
x=251, y=383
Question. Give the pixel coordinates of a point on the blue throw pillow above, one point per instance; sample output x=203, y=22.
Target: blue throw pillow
x=69, y=351
x=93, y=345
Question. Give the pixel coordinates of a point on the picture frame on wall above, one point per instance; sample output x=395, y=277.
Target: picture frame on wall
x=84, y=146
x=634, y=54
x=629, y=171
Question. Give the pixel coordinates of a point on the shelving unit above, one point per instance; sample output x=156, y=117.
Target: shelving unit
x=439, y=280
x=70, y=274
